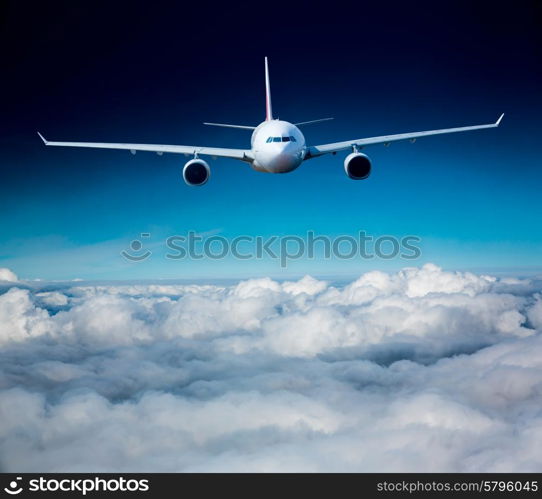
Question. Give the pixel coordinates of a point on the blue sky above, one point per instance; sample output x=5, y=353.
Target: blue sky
x=472, y=198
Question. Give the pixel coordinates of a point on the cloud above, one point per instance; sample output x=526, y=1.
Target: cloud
x=420, y=370
x=7, y=275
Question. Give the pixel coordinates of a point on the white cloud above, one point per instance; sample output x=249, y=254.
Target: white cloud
x=20, y=319
x=421, y=370
x=7, y=275
x=52, y=298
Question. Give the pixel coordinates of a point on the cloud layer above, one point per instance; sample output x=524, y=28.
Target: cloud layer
x=422, y=370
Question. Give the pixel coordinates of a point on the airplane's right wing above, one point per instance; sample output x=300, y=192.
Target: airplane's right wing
x=314, y=151
x=240, y=154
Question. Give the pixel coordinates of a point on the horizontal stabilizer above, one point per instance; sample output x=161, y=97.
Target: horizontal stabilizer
x=312, y=121
x=245, y=127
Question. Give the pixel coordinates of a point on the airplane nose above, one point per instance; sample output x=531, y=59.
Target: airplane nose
x=278, y=157
x=284, y=162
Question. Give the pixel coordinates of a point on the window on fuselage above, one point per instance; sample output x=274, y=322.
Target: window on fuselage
x=285, y=139
x=270, y=139
x=277, y=139
x=292, y=138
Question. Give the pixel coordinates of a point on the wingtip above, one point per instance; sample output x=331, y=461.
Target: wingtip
x=42, y=138
x=500, y=119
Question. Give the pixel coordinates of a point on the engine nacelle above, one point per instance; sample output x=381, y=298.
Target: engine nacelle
x=196, y=172
x=357, y=166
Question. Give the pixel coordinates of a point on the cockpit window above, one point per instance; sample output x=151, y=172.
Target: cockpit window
x=291, y=138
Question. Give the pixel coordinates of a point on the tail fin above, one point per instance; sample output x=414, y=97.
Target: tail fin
x=268, y=110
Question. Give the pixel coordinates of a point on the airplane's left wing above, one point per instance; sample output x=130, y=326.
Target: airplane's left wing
x=240, y=154
x=314, y=151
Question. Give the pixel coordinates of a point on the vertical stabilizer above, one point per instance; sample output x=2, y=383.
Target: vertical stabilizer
x=268, y=110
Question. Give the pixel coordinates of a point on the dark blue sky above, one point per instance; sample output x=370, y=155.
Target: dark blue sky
x=154, y=71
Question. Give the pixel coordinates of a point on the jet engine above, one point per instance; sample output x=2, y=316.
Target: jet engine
x=196, y=172
x=357, y=166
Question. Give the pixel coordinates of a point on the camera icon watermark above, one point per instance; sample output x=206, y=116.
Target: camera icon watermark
x=14, y=487
x=136, y=246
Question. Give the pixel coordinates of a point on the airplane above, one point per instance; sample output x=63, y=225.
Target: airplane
x=276, y=146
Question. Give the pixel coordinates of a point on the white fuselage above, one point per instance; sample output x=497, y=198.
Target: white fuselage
x=277, y=147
